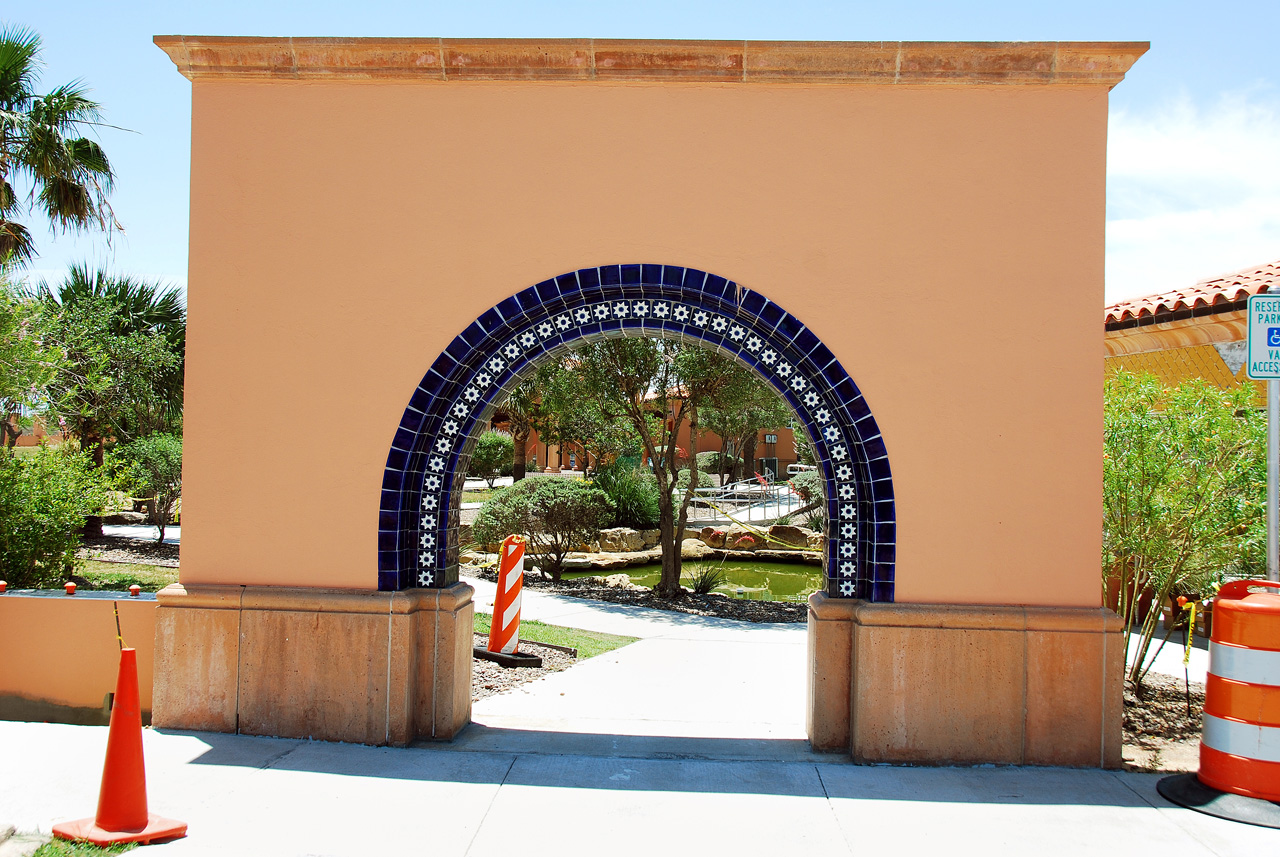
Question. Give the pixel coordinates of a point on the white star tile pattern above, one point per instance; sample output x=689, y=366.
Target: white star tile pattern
x=695, y=315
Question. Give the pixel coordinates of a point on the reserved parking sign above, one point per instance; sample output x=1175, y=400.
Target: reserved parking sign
x=1264, y=338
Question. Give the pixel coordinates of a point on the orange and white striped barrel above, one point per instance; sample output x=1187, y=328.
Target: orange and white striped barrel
x=504, y=630
x=1240, y=745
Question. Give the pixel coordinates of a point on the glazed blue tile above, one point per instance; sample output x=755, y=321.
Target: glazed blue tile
x=406, y=435
x=630, y=274
x=882, y=592
x=386, y=541
x=610, y=275
x=567, y=284
x=672, y=275
x=789, y=328
x=396, y=459
x=390, y=500
x=879, y=468
x=511, y=309
x=715, y=286
x=771, y=316
x=587, y=278
x=388, y=520
x=751, y=304
x=875, y=448
x=651, y=274
x=388, y=580
x=805, y=342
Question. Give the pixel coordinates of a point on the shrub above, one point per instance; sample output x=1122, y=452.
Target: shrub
x=44, y=499
x=711, y=462
x=704, y=578
x=493, y=450
x=704, y=480
x=153, y=469
x=634, y=493
x=554, y=514
x=809, y=485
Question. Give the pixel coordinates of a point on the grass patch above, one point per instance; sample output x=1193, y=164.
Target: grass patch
x=588, y=643
x=122, y=575
x=481, y=495
x=63, y=848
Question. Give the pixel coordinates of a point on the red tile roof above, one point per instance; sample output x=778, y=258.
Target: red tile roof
x=1213, y=295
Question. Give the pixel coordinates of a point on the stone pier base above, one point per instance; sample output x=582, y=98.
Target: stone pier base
x=942, y=684
x=336, y=665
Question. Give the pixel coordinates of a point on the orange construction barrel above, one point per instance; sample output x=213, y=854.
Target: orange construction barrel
x=1240, y=745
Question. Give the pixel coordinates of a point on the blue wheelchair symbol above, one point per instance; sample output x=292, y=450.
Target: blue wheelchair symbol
x=1273, y=337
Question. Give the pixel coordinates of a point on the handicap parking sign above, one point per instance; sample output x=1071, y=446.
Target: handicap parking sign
x=1273, y=337
x=1264, y=337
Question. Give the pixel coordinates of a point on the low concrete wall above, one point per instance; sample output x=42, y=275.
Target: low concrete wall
x=59, y=655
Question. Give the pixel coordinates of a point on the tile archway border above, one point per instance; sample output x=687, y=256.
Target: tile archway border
x=418, y=519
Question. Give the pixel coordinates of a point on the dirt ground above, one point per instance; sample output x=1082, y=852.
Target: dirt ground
x=1159, y=734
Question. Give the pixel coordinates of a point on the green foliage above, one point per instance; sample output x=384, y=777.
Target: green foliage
x=816, y=521
x=634, y=492
x=703, y=578
x=152, y=468
x=1184, y=483
x=27, y=362
x=67, y=178
x=556, y=515
x=493, y=451
x=704, y=480
x=715, y=462
x=44, y=499
x=809, y=485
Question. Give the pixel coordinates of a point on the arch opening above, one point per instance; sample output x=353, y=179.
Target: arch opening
x=423, y=480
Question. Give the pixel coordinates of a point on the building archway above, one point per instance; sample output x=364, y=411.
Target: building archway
x=418, y=520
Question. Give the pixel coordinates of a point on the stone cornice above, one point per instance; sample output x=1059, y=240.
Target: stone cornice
x=915, y=63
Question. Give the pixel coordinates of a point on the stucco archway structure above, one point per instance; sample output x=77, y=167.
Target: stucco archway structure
x=928, y=216
x=418, y=543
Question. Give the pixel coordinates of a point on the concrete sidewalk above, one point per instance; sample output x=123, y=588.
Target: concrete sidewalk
x=251, y=796
x=689, y=741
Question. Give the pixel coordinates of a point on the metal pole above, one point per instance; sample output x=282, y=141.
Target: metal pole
x=1273, y=478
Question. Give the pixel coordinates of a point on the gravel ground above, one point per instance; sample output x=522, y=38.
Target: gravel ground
x=1158, y=733
x=144, y=551
x=489, y=679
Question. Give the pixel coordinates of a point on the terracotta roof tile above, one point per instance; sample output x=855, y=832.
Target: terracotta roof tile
x=1215, y=294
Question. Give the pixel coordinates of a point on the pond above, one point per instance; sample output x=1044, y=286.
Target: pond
x=759, y=581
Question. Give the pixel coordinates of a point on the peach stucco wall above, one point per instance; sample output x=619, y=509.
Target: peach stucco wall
x=946, y=242
x=62, y=652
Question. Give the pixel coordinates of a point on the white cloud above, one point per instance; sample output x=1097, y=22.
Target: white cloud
x=1192, y=192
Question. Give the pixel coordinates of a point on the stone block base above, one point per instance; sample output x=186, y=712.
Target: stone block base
x=337, y=665
x=943, y=684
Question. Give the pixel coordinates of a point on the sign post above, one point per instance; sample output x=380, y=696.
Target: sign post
x=1264, y=364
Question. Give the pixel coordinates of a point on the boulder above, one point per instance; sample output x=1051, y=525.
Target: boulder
x=125, y=518
x=790, y=536
x=650, y=538
x=621, y=540
x=742, y=539
x=815, y=542
x=695, y=549
x=712, y=537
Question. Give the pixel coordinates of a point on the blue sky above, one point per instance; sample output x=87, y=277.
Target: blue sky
x=1194, y=146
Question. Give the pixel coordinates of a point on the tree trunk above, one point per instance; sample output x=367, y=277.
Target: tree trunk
x=93, y=523
x=520, y=437
x=749, y=454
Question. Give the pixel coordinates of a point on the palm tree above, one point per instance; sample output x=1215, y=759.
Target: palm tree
x=69, y=175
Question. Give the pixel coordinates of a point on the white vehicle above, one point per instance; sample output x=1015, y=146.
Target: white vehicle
x=793, y=469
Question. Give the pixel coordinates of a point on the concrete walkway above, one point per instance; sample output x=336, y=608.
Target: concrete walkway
x=688, y=741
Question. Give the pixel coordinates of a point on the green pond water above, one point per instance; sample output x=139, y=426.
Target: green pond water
x=760, y=581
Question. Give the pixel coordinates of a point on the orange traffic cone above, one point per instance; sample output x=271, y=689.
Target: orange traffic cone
x=122, y=803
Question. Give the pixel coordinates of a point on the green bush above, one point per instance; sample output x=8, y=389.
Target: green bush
x=704, y=578
x=710, y=462
x=44, y=499
x=705, y=480
x=634, y=493
x=153, y=469
x=809, y=485
x=493, y=450
x=554, y=514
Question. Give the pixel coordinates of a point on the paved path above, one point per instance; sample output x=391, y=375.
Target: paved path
x=172, y=535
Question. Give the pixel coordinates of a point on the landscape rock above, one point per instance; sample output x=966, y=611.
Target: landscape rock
x=621, y=540
x=712, y=537
x=815, y=542
x=125, y=518
x=650, y=538
x=695, y=549
x=797, y=537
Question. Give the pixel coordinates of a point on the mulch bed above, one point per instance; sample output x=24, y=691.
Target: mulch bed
x=140, y=551
x=1159, y=734
x=490, y=679
x=715, y=604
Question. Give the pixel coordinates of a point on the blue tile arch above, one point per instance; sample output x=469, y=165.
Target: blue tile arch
x=418, y=520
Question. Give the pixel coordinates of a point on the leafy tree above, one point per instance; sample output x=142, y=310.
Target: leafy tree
x=555, y=514
x=1184, y=476
x=153, y=467
x=68, y=176
x=492, y=452
x=745, y=404
x=27, y=362
x=522, y=407
x=44, y=498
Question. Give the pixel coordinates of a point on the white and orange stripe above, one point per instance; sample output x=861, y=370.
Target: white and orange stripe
x=504, y=630
x=1240, y=744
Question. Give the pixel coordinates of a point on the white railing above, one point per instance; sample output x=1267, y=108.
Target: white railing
x=747, y=501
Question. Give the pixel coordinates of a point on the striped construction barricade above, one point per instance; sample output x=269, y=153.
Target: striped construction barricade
x=1240, y=744
x=504, y=630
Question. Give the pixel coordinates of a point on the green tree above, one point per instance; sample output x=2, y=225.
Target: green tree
x=44, y=498
x=555, y=514
x=42, y=144
x=27, y=362
x=153, y=469
x=1184, y=478
x=744, y=405
x=493, y=450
